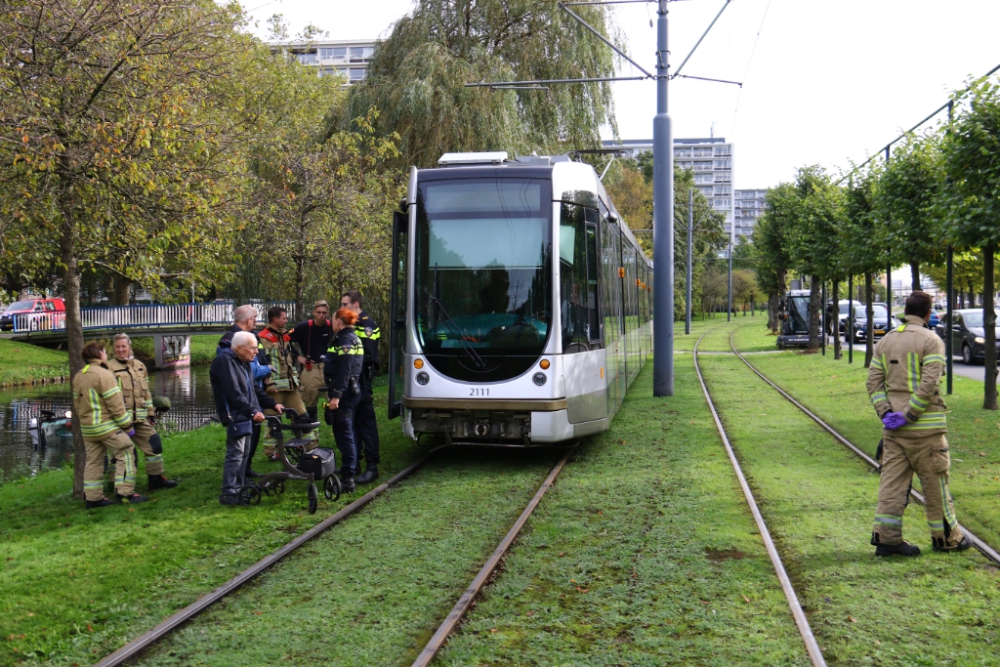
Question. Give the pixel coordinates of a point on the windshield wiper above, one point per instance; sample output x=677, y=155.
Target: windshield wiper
x=463, y=339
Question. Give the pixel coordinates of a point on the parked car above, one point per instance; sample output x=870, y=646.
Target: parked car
x=49, y=312
x=880, y=319
x=967, y=334
x=844, y=306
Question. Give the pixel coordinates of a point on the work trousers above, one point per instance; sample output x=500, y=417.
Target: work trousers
x=310, y=381
x=144, y=433
x=343, y=434
x=289, y=399
x=365, y=425
x=904, y=454
x=234, y=469
x=118, y=446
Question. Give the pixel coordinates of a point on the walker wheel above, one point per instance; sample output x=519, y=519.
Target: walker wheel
x=332, y=487
x=250, y=494
x=313, y=498
x=274, y=488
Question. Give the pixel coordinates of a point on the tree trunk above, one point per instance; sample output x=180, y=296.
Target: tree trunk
x=74, y=332
x=835, y=320
x=120, y=293
x=814, y=308
x=772, y=312
x=915, y=276
x=870, y=315
x=989, y=328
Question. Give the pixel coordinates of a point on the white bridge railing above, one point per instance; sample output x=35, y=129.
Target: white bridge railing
x=145, y=317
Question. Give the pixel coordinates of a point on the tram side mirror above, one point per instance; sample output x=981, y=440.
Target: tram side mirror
x=613, y=217
x=402, y=206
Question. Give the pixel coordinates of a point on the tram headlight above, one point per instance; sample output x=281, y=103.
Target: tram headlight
x=539, y=379
x=423, y=378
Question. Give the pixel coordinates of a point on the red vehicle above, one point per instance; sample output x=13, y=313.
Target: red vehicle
x=35, y=315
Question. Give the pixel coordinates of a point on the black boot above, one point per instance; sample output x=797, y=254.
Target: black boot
x=160, y=482
x=103, y=502
x=133, y=498
x=901, y=549
x=347, y=484
x=253, y=474
x=368, y=476
x=939, y=544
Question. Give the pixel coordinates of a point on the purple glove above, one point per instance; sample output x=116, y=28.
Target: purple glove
x=893, y=420
x=131, y=433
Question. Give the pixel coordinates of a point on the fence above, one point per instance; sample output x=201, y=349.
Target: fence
x=149, y=317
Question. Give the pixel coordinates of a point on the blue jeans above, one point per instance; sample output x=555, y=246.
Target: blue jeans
x=234, y=469
x=343, y=433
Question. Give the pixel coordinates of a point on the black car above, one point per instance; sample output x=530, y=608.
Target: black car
x=881, y=320
x=967, y=334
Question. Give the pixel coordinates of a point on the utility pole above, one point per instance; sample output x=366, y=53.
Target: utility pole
x=849, y=324
x=663, y=220
x=690, y=272
x=949, y=332
x=729, y=291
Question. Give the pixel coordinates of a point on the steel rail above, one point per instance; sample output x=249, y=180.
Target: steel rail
x=812, y=648
x=983, y=547
x=482, y=578
x=151, y=637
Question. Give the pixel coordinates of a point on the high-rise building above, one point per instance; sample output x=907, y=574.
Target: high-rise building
x=348, y=58
x=750, y=205
x=711, y=161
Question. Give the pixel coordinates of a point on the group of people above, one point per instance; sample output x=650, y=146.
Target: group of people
x=254, y=374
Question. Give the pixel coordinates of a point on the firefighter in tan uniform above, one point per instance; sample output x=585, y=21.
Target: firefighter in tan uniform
x=283, y=385
x=100, y=410
x=903, y=386
x=134, y=382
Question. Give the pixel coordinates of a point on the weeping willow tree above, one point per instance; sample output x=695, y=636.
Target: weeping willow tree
x=417, y=78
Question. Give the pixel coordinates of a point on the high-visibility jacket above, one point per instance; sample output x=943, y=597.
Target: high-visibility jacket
x=369, y=333
x=134, y=381
x=97, y=402
x=344, y=361
x=904, y=377
x=278, y=347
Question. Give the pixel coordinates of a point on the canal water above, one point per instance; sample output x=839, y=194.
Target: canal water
x=188, y=389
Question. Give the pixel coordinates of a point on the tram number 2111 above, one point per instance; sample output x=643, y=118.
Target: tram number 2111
x=479, y=391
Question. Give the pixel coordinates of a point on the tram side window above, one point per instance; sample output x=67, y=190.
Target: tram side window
x=578, y=280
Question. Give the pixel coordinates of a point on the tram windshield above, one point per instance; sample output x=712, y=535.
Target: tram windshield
x=482, y=275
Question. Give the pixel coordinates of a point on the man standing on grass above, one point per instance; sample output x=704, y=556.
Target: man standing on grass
x=903, y=386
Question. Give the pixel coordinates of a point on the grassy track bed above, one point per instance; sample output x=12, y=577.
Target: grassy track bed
x=819, y=500
x=643, y=553
x=77, y=584
x=368, y=591
x=752, y=335
x=836, y=392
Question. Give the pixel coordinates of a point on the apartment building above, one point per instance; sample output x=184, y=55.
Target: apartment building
x=347, y=58
x=749, y=205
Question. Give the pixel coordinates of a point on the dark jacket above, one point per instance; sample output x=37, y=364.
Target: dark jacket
x=232, y=383
x=313, y=339
x=344, y=361
x=260, y=366
x=369, y=333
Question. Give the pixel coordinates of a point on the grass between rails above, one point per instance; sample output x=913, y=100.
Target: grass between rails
x=643, y=553
x=835, y=391
x=77, y=584
x=819, y=501
x=370, y=591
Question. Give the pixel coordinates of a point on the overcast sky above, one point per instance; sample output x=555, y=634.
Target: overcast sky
x=829, y=81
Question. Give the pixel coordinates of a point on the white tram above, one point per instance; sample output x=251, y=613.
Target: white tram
x=521, y=302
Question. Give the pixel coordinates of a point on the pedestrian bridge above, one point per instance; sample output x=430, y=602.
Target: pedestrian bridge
x=182, y=319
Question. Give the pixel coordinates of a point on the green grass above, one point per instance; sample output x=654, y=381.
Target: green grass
x=835, y=390
x=643, y=553
x=77, y=584
x=21, y=363
x=819, y=501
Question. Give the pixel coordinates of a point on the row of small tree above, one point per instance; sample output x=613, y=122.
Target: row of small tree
x=934, y=190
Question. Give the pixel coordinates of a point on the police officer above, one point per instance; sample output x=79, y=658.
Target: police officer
x=342, y=370
x=100, y=410
x=365, y=425
x=903, y=386
x=313, y=338
x=284, y=380
x=130, y=373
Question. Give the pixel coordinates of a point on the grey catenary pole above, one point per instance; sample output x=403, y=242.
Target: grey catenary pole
x=663, y=221
x=690, y=273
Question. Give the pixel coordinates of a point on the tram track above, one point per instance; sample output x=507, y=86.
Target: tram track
x=812, y=647
x=983, y=547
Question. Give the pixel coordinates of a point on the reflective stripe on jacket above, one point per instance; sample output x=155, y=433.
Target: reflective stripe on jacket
x=98, y=403
x=904, y=376
x=344, y=361
x=133, y=379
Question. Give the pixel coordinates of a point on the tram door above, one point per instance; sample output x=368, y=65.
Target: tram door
x=611, y=295
x=397, y=312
